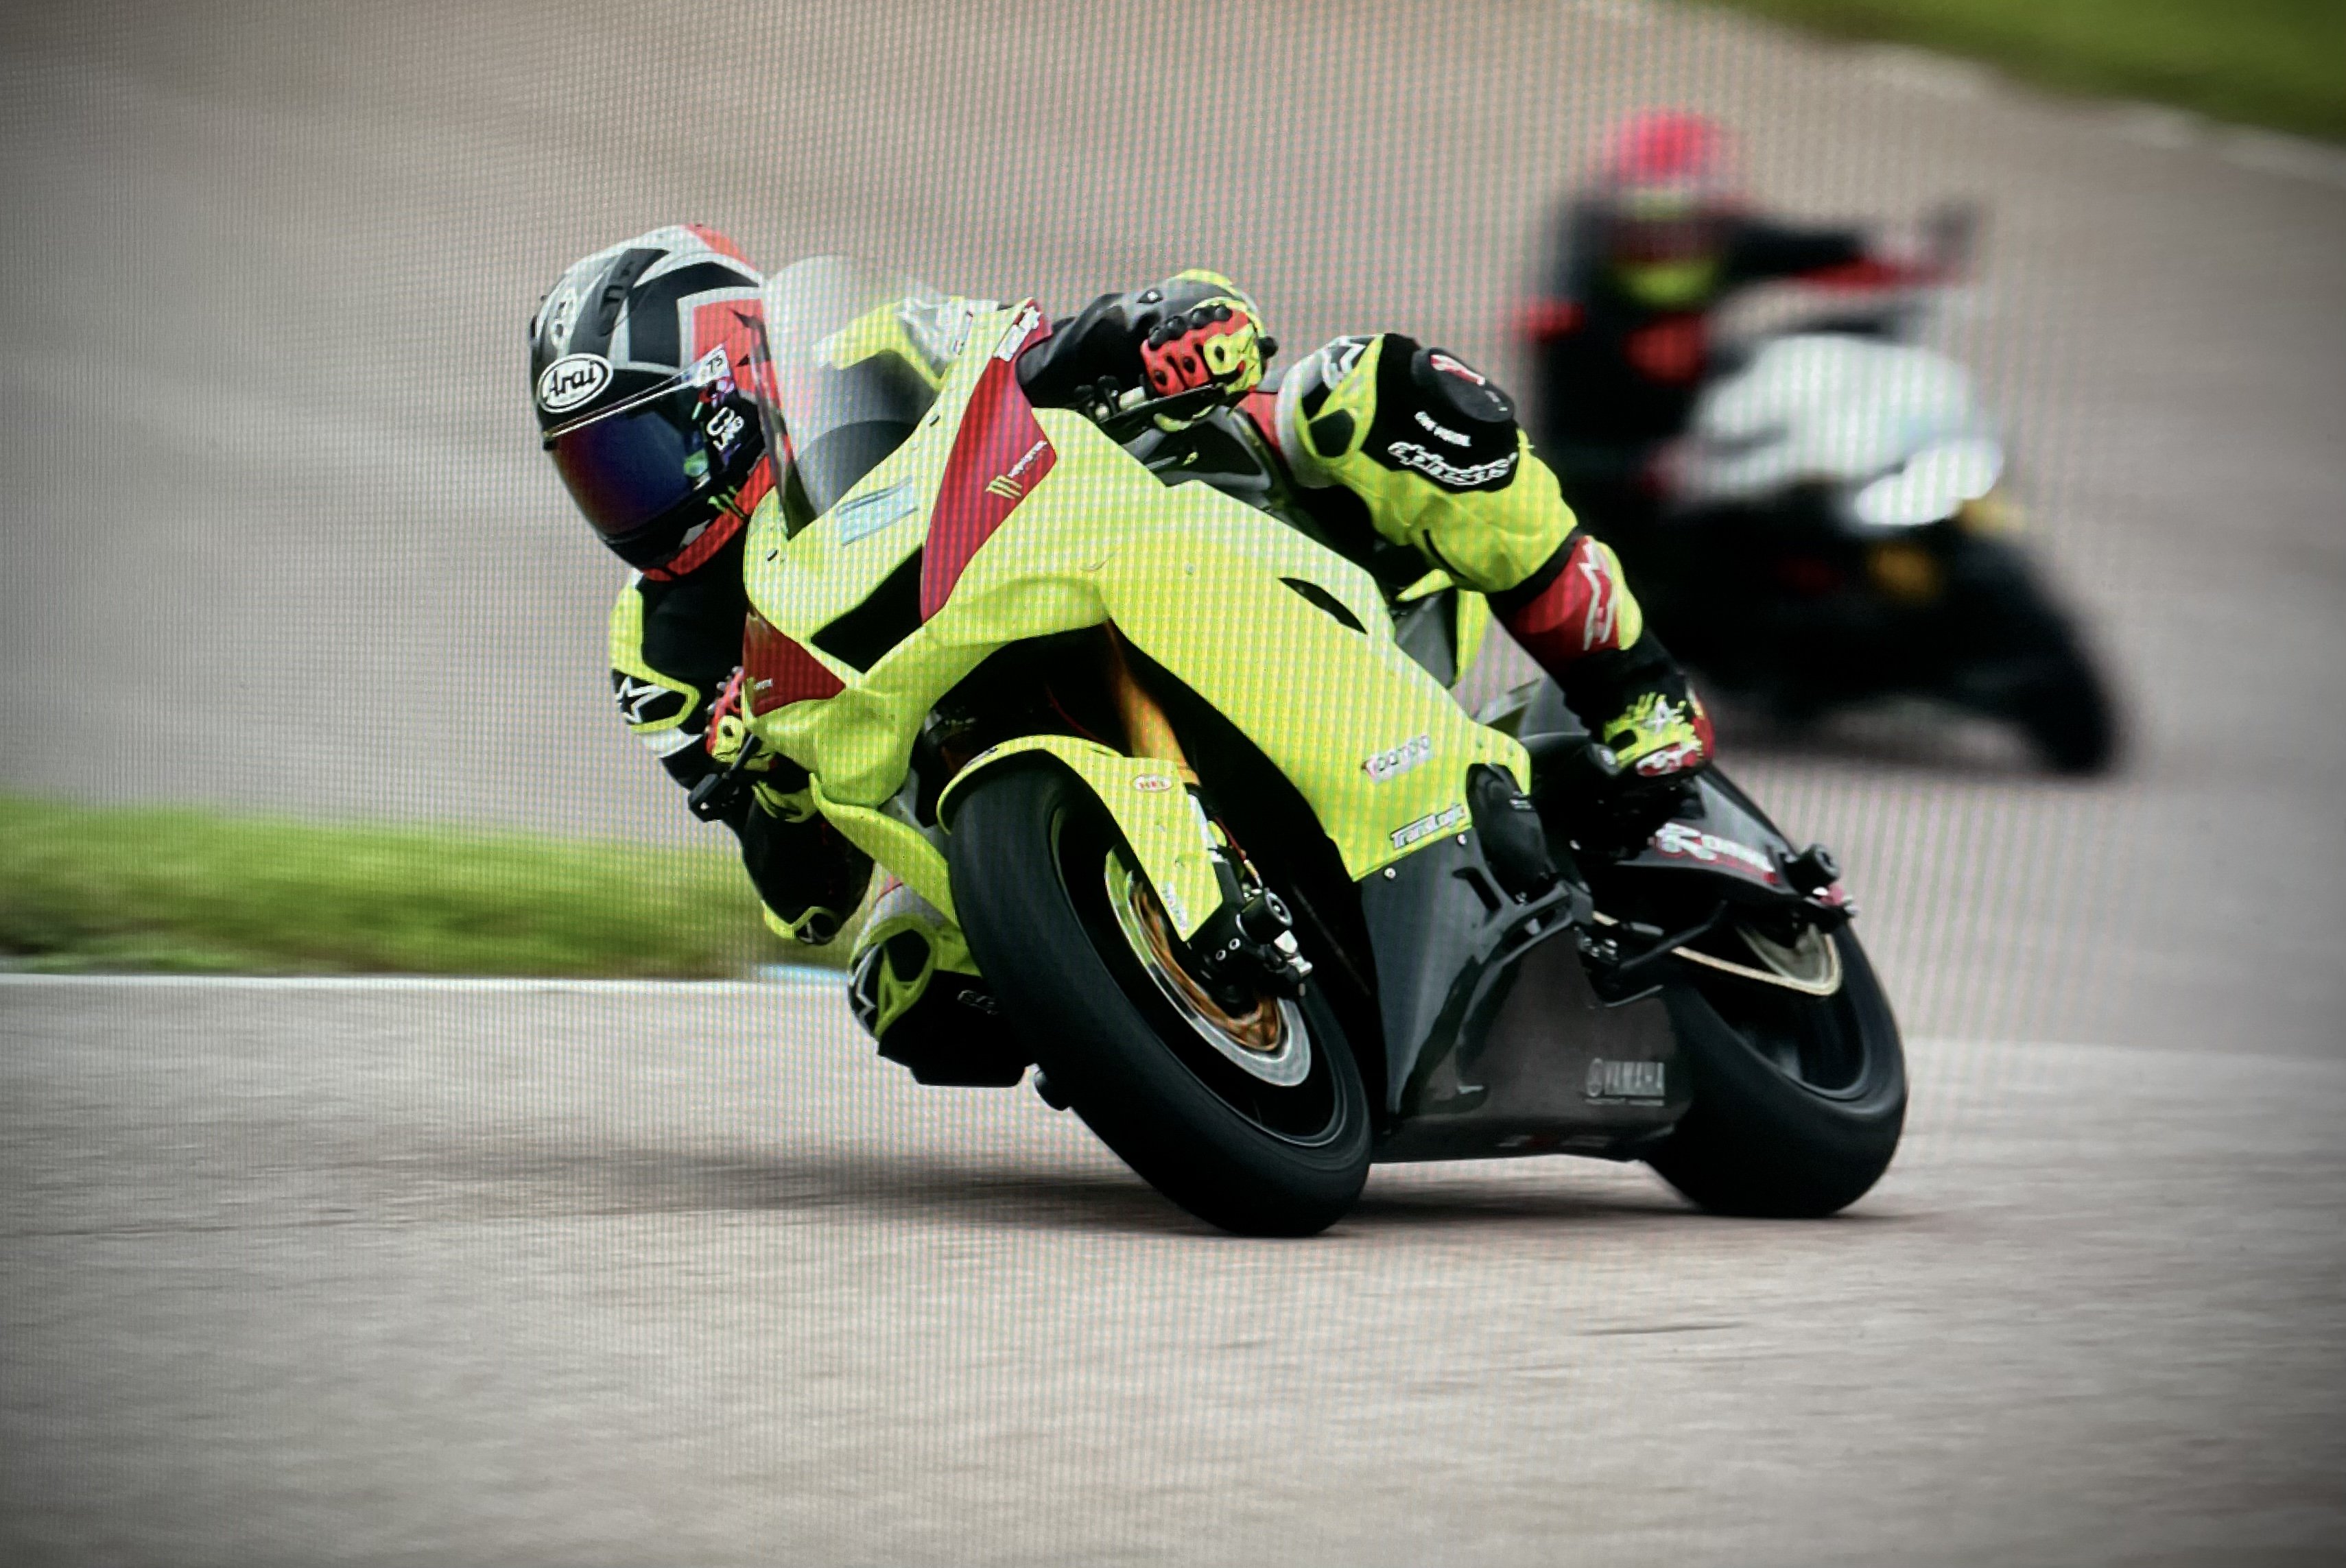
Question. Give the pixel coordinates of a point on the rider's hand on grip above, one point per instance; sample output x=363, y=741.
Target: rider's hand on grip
x=728, y=730
x=1216, y=342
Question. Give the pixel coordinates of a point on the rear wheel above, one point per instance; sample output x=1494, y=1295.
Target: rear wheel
x=1798, y=1100
x=1254, y=1122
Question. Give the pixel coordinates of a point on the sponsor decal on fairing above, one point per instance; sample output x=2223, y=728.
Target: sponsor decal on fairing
x=862, y=517
x=1610, y=1080
x=1152, y=783
x=1021, y=328
x=1012, y=485
x=1681, y=841
x=1426, y=827
x=1396, y=760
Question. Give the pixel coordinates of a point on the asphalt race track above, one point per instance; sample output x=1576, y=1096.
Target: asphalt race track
x=395, y=1275
x=662, y=1273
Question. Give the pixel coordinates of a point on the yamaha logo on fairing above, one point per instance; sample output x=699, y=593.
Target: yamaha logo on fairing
x=1626, y=1080
x=571, y=380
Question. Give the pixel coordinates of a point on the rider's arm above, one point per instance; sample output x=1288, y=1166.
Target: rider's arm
x=1431, y=447
x=1833, y=257
x=673, y=643
x=674, y=648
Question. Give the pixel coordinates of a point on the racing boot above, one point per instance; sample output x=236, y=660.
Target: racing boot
x=915, y=989
x=1659, y=740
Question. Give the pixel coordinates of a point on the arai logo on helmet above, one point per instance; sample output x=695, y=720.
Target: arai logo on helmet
x=572, y=380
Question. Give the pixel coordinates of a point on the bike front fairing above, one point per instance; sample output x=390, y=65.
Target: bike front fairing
x=985, y=521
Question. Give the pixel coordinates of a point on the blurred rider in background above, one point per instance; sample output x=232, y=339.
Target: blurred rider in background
x=1407, y=457
x=1659, y=237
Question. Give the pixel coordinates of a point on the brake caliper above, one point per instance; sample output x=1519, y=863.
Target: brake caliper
x=1246, y=948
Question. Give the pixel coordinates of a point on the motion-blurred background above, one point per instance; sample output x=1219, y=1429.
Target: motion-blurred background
x=280, y=539
x=304, y=669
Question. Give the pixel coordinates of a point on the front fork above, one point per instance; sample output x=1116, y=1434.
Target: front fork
x=1248, y=944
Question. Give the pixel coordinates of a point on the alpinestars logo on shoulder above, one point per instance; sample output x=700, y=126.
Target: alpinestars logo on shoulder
x=1450, y=475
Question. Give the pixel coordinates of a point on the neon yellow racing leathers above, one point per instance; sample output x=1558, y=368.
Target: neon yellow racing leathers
x=989, y=523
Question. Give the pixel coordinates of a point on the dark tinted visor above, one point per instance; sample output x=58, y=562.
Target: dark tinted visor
x=627, y=468
x=1695, y=238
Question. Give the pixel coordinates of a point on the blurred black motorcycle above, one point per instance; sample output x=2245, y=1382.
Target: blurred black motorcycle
x=1836, y=530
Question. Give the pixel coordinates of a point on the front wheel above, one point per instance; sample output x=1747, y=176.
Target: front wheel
x=2066, y=710
x=1256, y=1123
x=1798, y=1101
x=2031, y=668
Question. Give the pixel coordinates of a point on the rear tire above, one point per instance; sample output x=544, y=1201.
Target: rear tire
x=1030, y=855
x=1798, y=1101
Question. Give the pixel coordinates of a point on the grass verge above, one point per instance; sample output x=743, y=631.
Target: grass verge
x=88, y=888
x=2280, y=63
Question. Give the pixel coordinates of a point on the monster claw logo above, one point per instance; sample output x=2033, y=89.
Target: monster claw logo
x=1010, y=486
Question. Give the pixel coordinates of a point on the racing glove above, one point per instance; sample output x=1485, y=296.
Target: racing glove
x=1196, y=330
x=808, y=877
x=1211, y=335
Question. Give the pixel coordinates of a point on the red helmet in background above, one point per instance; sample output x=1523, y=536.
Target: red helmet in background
x=1667, y=186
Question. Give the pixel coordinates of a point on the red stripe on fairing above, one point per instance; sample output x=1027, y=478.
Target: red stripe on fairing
x=999, y=438
x=776, y=671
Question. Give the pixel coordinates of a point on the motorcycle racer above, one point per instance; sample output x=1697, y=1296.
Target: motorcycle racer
x=638, y=357
x=1659, y=239
x=1403, y=450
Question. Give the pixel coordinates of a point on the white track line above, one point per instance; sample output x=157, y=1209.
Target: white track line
x=787, y=976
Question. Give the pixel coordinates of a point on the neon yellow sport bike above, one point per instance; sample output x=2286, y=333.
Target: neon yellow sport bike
x=1264, y=903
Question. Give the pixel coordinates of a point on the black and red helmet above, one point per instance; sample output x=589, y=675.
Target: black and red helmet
x=640, y=358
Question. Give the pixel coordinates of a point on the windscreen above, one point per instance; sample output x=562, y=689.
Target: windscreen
x=855, y=356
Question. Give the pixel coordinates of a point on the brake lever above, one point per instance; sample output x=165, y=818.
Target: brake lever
x=1137, y=412
x=714, y=796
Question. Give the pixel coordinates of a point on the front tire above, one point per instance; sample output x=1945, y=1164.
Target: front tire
x=1798, y=1101
x=2030, y=668
x=2066, y=712
x=1034, y=861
